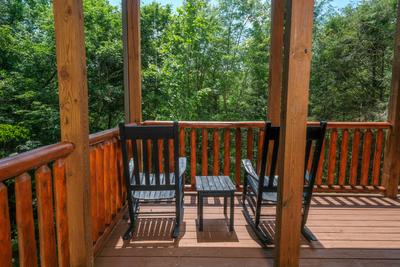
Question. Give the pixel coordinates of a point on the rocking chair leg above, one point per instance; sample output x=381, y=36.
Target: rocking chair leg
x=308, y=234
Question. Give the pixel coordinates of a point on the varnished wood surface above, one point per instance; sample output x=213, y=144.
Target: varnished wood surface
x=352, y=230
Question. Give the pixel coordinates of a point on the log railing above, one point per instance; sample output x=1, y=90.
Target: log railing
x=352, y=156
x=108, y=192
x=32, y=181
x=352, y=160
x=21, y=199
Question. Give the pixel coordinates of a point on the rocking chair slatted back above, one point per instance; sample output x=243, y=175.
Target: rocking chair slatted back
x=145, y=140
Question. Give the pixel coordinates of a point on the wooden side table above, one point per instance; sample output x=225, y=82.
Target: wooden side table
x=214, y=186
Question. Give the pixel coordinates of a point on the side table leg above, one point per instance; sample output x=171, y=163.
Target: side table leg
x=200, y=213
x=225, y=204
x=232, y=212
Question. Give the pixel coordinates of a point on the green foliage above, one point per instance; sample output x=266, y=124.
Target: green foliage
x=207, y=60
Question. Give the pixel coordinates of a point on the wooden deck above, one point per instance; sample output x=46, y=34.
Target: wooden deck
x=353, y=230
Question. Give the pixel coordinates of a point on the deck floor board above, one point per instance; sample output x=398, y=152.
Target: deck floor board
x=352, y=230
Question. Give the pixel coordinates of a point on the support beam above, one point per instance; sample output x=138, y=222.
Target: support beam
x=296, y=79
x=391, y=168
x=275, y=61
x=132, y=61
x=73, y=97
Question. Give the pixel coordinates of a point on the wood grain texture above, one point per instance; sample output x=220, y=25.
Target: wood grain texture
x=376, y=169
x=93, y=196
x=182, y=146
x=216, y=152
x=250, y=143
x=107, y=182
x=45, y=212
x=348, y=234
x=192, y=157
x=238, y=156
x=366, y=157
x=391, y=167
x=343, y=157
x=204, y=152
x=320, y=168
x=101, y=210
x=276, y=61
x=5, y=229
x=354, y=157
x=60, y=196
x=73, y=99
x=294, y=111
x=260, y=143
x=227, y=152
x=113, y=180
x=25, y=222
x=332, y=156
x=26, y=161
x=132, y=60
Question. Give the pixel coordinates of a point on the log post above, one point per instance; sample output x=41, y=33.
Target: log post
x=73, y=97
x=275, y=61
x=391, y=167
x=132, y=60
x=294, y=109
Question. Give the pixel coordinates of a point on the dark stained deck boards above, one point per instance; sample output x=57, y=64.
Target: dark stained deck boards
x=353, y=230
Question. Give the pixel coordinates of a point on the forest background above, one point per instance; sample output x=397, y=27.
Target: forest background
x=204, y=60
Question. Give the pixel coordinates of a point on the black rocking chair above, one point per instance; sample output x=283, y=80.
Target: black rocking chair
x=149, y=185
x=259, y=190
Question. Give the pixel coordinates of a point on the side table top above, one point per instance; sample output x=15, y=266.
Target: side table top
x=214, y=184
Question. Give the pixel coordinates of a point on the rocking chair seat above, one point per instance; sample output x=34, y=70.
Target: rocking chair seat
x=159, y=194
x=269, y=196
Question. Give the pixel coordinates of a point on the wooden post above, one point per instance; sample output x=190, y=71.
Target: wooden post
x=296, y=78
x=132, y=61
x=275, y=61
x=391, y=167
x=73, y=97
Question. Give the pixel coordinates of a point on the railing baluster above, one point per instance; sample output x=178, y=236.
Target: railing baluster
x=171, y=155
x=161, y=155
x=259, y=148
x=117, y=176
x=354, y=157
x=204, y=152
x=5, y=229
x=106, y=177
x=238, y=156
x=227, y=152
x=320, y=169
x=25, y=223
x=192, y=157
x=182, y=146
x=113, y=206
x=93, y=193
x=216, y=152
x=376, y=169
x=101, y=209
x=332, y=157
x=60, y=190
x=366, y=156
x=343, y=157
x=47, y=236
x=250, y=143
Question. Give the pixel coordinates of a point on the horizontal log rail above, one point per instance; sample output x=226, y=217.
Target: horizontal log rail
x=20, y=163
x=351, y=160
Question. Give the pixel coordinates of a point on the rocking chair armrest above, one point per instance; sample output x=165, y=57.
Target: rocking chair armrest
x=248, y=167
x=182, y=166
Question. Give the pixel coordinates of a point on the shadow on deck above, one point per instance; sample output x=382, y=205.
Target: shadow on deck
x=352, y=230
